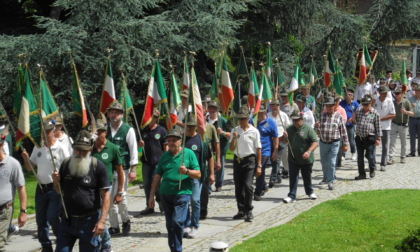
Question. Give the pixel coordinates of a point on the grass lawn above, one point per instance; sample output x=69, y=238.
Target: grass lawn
x=360, y=221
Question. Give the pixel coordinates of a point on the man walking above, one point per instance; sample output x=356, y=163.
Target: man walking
x=414, y=124
x=350, y=106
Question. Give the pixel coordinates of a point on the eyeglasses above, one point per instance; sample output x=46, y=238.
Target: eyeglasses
x=397, y=93
x=366, y=104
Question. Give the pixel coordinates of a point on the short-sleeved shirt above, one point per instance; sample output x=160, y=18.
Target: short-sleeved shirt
x=332, y=128
x=248, y=141
x=11, y=176
x=153, y=144
x=168, y=169
x=350, y=108
x=282, y=121
x=82, y=194
x=300, y=141
x=385, y=108
x=67, y=142
x=308, y=117
x=42, y=159
x=110, y=156
x=367, y=124
x=286, y=108
x=401, y=118
x=211, y=134
x=268, y=131
x=224, y=124
x=415, y=103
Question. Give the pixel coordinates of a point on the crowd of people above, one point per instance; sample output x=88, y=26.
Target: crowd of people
x=83, y=183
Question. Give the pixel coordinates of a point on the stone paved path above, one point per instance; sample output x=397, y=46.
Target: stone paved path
x=149, y=233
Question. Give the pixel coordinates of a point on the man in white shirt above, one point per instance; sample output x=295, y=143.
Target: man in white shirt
x=365, y=88
x=386, y=110
x=308, y=116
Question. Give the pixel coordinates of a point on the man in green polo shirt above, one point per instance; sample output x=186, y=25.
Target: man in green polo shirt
x=174, y=173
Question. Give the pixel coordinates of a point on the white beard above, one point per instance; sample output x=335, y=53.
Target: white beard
x=79, y=166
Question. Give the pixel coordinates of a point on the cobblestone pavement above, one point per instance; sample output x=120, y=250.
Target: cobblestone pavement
x=149, y=233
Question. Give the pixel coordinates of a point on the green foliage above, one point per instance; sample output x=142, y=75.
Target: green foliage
x=411, y=243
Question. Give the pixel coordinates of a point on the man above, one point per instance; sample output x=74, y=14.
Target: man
x=331, y=131
x=388, y=76
x=203, y=154
x=412, y=91
x=308, y=116
x=223, y=128
x=282, y=120
x=47, y=201
x=414, y=123
x=303, y=142
x=11, y=178
x=368, y=135
x=310, y=102
x=285, y=105
x=109, y=154
x=386, y=111
x=382, y=83
x=154, y=145
x=182, y=110
x=8, y=146
x=350, y=106
x=123, y=136
x=174, y=174
x=61, y=136
x=246, y=145
x=269, y=149
x=399, y=125
x=85, y=187
x=364, y=89
x=339, y=109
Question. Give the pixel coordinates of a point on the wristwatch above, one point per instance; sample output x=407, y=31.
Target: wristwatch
x=23, y=211
x=259, y=166
x=120, y=193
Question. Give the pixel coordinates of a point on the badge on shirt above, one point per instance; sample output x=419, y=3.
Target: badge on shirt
x=301, y=133
x=39, y=154
x=87, y=180
x=157, y=136
x=194, y=147
x=371, y=116
x=265, y=125
x=118, y=138
x=104, y=156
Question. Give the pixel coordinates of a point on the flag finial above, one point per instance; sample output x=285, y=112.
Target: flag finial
x=157, y=53
x=109, y=51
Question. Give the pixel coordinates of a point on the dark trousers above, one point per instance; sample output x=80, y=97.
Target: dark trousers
x=365, y=148
x=260, y=184
x=306, y=171
x=243, y=174
x=204, y=197
x=148, y=171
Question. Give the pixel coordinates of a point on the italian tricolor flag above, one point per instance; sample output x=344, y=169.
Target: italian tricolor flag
x=365, y=63
x=185, y=75
x=108, y=91
x=78, y=99
x=196, y=103
x=294, y=83
x=329, y=68
x=174, y=102
x=227, y=90
x=403, y=76
x=155, y=94
x=253, y=90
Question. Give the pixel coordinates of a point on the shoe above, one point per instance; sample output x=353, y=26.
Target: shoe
x=114, y=231
x=218, y=189
x=47, y=249
x=343, y=158
x=383, y=168
x=403, y=160
x=257, y=197
x=353, y=156
x=330, y=186
x=239, y=215
x=411, y=155
x=249, y=217
x=187, y=230
x=360, y=177
x=372, y=174
x=323, y=182
x=147, y=211
x=271, y=184
x=284, y=174
x=312, y=196
x=203, y=216
x=193, y=233
x=126, y=227
x=12, y=231
x=390, y=162
x=288, y=200
x=160, y=208
x=278, y=181
x=106, y=248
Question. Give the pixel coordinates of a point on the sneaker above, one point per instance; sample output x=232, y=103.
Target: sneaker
x=330, y=186
x=383, y=168
x=193, y=233
x=218, y=189
x=285, y=174
x=239, y=215
x=257, y=197
x=343, y=158
x=372, y=174
x=402, y=160
x=353, y=156
x=312, y=196
x=187, y=230
x=411, y=155
x=114, y=231
x=390, y=162
x=288, y=200
x=147, y=211
x=12, y=231
x=360, y=177
x=126, y=227
x=249, y=217
x=323, y=182
x=271, y=184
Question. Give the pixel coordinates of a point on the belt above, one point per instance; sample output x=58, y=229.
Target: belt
x=243, y=158
x=400, y=124
x=416, y=118
x=6, y=206
x=94, y=212
x=333, y=141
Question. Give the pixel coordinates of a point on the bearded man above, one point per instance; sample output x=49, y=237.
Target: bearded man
x=85, y=188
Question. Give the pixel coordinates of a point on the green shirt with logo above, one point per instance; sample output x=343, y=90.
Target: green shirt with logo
x=110, y=155
x=300, y=141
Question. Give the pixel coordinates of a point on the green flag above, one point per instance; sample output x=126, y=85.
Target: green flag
x=269, y=69
x=338, y=80
x=241, y=75
x=124, y=98
x=213, y=89
x=266, y=93
x=403, y=76
x=48, y=106
x=18, y=89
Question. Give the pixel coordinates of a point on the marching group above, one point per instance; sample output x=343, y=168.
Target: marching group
x=83, y=183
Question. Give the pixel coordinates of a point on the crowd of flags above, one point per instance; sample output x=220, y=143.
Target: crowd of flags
x=31, y=105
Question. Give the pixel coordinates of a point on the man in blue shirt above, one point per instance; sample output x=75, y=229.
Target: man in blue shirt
x=350, y=106
x=269, y=139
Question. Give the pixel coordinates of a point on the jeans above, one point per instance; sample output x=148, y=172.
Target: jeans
x=78, y=228
x=194, y=216
x=175, y=207
x=47, y=207
x=328, y=153
x=385, y=146
x=148, y=171
x=414, y=130
x=121, y=208
x=243, y=174
x=365, y=144
x=306, y=171
x=281, y=160
x=219, y=175
x=260, y=184
x=352, y=142
x=5, y=217
x=401, y=131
